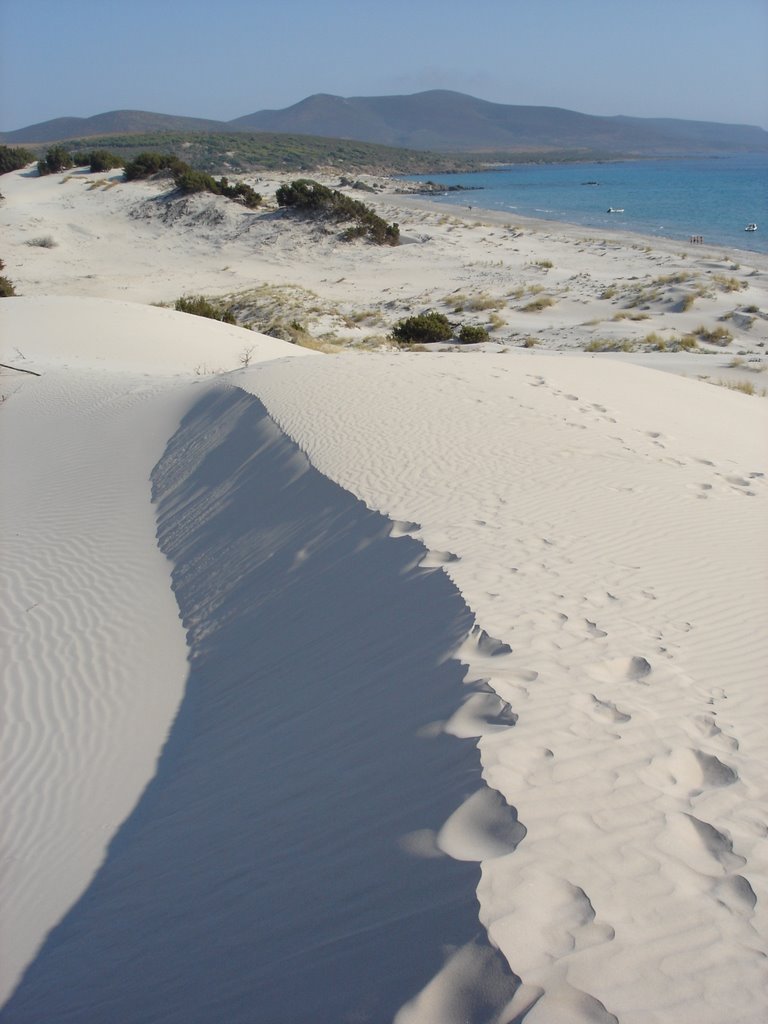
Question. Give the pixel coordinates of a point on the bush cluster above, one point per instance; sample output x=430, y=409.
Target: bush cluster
x=472, y=335
x=6, y=288
x=98, y=160
x=14, y=158
x=188, y=180
x=430, y=327
x=425, y=327
x=320, y=201
x=146, y=164
x=198, y=305
x=56, y=160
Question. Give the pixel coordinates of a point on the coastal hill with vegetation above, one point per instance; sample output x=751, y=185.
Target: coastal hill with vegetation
x=435, y=130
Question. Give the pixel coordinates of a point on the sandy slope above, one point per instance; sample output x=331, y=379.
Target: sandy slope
x=605, y=523
x=135, y=240
x=453, y=627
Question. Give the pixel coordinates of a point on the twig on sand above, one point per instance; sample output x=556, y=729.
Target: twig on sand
x=7, y=366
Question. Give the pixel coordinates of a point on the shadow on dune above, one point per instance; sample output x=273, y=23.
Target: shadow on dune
x=261, y=876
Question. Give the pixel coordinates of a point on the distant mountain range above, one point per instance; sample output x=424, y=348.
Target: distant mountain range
x=438, y=121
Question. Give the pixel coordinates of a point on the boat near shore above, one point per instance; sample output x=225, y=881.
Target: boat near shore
x=751, y=227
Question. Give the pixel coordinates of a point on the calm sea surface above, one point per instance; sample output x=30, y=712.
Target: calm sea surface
x=714, y=197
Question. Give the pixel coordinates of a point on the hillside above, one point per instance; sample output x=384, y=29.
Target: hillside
x=437, y=120
x=111, y=123
x=443, y=120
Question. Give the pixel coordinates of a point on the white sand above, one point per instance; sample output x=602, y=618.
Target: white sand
x=580, y=539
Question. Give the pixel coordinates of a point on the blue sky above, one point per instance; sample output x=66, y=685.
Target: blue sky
x=698, y=59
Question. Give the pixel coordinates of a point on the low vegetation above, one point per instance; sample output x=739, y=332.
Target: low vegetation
x=13, y=158
x=423, y=328
x=56, y=159
x=746, y=387
x=187, y=179
x=243, y=152
x=6, y=288
x=198, y=305
x=146, y=164
x=472, y=334
x=729, y=284
x=98, y=160
x=713, y=336
x=430, y=327
x=536, y=305
x=319, y=201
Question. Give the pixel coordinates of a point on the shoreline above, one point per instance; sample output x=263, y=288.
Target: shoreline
x=579, y=231
x=233, y=645
x=528, y=282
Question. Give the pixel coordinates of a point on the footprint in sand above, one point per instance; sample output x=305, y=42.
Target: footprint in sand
x=636, y=669
x=481, y=643
x=593, y=630
x=481, y=713
x=484, y=826
x=705, y=727
x=402, y=527
x=703, y=490
x=436, y=559
x=688, y=772
x=699, y=845
x=735, y=893
x=740, y=485
x=600, y=710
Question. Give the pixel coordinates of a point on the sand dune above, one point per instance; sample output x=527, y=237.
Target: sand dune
x=386, y=686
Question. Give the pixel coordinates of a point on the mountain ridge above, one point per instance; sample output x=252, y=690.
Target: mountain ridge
x=436, y=120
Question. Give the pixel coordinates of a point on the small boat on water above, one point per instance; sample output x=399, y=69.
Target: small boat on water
x=615, y=209
x=751, y=227
x=590, y=183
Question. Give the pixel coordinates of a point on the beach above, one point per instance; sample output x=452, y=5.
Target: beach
x=355, y=681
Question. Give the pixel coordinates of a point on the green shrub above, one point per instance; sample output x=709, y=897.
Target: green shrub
x=6, y=288
x=189, y=181
x=146, y=164
x=98, y=160
x=198, y=305
x=320, y=201
x=56, y=160
x=472, y=335
x=14, y=158
x=425, y=327
x=240, y=193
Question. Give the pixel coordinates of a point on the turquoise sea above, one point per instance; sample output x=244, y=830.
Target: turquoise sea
x=713, y=197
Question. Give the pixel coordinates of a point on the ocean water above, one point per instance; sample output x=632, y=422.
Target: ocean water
x=713, y=197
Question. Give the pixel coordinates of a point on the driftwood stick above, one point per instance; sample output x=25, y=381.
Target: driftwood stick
x=34, y=373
